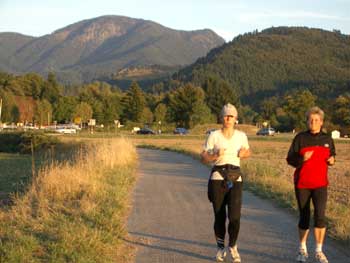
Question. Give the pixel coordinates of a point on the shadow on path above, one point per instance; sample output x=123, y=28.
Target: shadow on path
x=139, y=241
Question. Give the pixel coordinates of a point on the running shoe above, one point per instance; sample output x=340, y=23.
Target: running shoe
x=220, y=255
x=235, y=257
x=302, y=256
x=321, y=257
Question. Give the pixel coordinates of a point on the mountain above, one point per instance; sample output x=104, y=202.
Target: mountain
x=9, y=44
x=274, y=61
x=101, y=46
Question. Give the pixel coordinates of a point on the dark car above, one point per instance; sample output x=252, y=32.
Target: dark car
x=181, y=131
x=145, y=131
x=266, y=132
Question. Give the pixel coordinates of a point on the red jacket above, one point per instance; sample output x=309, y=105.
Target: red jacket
x=312, y=173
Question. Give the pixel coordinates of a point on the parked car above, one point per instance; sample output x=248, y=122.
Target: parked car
x=266, y=132
x=145, y=131
x=180, y=130
x=135, y=129
x=66, y=130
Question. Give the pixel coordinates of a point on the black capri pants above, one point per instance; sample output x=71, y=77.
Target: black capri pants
x=318, y=196
x=232, y=199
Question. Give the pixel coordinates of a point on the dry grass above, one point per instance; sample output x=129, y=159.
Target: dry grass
x=268, y=174
x=72, y=212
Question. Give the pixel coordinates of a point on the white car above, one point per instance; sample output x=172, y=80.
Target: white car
x=66, y=130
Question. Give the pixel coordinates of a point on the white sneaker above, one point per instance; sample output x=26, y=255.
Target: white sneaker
x=321, y=257
x=235, y=257
x=302, y=256
x=220, y=255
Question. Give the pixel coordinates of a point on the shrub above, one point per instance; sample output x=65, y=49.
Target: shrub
x=20, y=142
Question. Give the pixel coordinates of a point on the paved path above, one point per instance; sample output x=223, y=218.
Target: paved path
x=172, y=220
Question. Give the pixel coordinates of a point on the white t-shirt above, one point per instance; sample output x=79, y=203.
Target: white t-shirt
x=216, y=140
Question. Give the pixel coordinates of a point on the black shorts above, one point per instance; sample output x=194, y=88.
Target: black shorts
x=318, y=197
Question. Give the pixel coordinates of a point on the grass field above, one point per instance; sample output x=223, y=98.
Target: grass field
x=72, y=211
x=16, y=169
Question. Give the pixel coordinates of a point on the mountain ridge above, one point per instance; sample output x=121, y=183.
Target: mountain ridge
x=105, y=45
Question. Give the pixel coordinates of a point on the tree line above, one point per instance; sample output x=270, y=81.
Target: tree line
x=31, y=98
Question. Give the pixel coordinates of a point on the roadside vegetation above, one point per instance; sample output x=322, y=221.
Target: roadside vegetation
x=268, y=175
x=22, y=155
x=72, y=211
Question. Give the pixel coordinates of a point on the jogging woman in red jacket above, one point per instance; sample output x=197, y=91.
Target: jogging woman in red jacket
x=311, y=153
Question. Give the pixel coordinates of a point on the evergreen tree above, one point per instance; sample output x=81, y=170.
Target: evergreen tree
x=51, y=90
x=218, y=93
x=187, y=107
x=134, y=103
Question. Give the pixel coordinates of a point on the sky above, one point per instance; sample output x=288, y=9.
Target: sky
x=228, y=18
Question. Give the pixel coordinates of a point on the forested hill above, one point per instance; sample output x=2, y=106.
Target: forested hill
x=276, y=60
x=97, y=47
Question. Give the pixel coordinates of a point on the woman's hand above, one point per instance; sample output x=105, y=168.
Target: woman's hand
x=220, y=152
x=331, y=160
x=208, y=157
x=244, y=152
x=307, y=155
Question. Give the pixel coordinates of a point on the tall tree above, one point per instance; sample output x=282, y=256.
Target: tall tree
x=160, y=113
x=83, y=112
x=268, y=107
x=102, y=100
x=134, y=103
x=218, y=93
x=51, y=90
x=296, y=104
x=64, y=109
x=44, y=112
x=147, y=116
x=8, y=105
x=246, y=114
x=187, y=107
x=342, y=110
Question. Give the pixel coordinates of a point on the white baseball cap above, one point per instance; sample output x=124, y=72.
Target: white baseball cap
x=229, y=109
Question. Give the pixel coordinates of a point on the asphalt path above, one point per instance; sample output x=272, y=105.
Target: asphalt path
x=172, y=219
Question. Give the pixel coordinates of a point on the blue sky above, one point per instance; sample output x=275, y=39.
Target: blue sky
x=228, y=18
